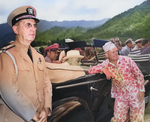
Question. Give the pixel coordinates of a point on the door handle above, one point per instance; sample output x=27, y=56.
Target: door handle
x=93, y=89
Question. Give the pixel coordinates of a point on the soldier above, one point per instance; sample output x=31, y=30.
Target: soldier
x=127, y=84
x=24, y=84
x=51, y=53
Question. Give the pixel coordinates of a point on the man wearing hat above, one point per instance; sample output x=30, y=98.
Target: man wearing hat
x=127, y=84
x=145, y=47
x=51, y=53
x=24, y=84
x=73, y=57
x=126, y=50
x=138, y=44
x=118, y=44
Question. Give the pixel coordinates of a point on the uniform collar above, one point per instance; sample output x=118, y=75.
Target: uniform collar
x=22, y=50
x=20, y=47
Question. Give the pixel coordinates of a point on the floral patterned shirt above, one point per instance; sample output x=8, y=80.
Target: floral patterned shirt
x=127, y=78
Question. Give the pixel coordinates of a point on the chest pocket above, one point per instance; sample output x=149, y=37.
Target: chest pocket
x=40, y=64
x=22, y=66
x=40, y=67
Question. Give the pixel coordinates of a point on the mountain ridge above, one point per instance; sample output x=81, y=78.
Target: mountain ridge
x=45, y=25
x=6, y=32
x=133, y=23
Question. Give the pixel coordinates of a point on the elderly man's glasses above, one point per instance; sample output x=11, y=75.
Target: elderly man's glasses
x=29, y=25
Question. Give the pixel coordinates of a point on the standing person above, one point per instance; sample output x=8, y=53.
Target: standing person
x=129, y=45
x=24, y=84
x=127, y=84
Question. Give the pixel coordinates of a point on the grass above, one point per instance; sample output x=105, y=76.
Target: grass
x=147, y=113
x=147, y=109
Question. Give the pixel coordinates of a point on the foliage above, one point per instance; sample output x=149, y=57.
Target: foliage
x=58, y=35
x=133, y=23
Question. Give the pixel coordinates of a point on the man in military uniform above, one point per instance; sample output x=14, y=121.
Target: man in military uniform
x=51, y=53
x=24, y=84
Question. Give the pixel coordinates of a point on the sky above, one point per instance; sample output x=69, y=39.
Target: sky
x=60, y=10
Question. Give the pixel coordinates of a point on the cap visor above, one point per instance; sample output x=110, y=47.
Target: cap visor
x=28, y=17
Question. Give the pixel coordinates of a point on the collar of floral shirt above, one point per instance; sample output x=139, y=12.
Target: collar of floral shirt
x=114, y=64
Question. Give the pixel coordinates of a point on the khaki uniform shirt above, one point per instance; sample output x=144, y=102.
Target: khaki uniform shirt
x=28, y=92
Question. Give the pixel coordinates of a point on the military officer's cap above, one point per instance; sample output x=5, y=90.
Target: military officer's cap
x=23, y=12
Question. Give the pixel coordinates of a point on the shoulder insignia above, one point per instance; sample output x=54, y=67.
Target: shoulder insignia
x=7, y=47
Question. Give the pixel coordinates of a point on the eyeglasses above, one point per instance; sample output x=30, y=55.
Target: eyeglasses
x=29, y=25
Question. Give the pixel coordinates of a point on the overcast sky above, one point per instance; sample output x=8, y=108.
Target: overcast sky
x=59, y=10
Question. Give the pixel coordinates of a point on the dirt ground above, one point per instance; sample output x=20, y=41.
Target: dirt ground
x=147, y=118
x=147, y=113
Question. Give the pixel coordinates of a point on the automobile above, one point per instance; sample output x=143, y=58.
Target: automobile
x=82, y=97
x=78, y=99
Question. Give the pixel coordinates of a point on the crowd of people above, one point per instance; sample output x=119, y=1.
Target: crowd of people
x=141, y=44
x=127, y=79
x=55, y=54
x=25, y=86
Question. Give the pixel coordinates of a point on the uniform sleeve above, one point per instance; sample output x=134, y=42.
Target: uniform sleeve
x=47, y=90
x=98, y=68
x=138, y=75
x=10, y=93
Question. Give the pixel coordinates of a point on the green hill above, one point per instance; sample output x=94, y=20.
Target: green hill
x=134, y=23
x=58, y=35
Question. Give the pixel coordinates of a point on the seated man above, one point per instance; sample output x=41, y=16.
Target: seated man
x=68, y=70
x=51, y=53
x=138, y=45
x=73, y=57
x=118, y=44
x=145, y=47
x=137, y=49
x=145, y=43
x=125, y=50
